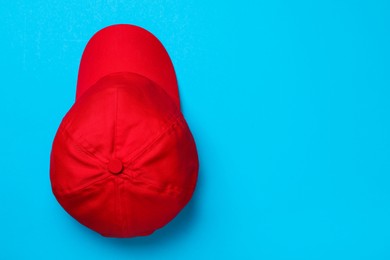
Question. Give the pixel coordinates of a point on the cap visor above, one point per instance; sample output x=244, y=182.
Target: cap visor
x=126, y=48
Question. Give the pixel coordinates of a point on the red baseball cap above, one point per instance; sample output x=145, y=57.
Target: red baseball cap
x=123, y=161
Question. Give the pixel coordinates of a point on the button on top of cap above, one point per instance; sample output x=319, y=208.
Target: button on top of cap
x=115, y=166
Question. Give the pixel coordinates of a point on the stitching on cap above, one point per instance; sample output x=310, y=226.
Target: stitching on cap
x=83, y=150
x=79, y=147
x=117, y=202
x=122, y=206
x=80, y=188
x=169, y=190
x=130, y=160
x=127, y=172
x=115, y=121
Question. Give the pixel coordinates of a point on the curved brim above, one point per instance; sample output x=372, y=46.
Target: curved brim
x=126, y=48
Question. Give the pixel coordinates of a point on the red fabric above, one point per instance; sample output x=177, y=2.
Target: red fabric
x=123, y=162
x=121, y=48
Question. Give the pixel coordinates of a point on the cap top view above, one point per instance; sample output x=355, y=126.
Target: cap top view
x=124, y=162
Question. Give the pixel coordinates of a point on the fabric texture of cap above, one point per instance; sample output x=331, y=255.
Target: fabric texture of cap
x=124, y=162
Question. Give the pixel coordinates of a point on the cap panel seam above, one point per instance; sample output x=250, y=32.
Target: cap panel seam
x=115, y=121
x=130, y=160
x=122, y=206
x=117, y=202
x=70, y=193
x=171, y=189
x=81, y=148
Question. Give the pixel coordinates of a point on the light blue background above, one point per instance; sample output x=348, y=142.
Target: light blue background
x=288, y=102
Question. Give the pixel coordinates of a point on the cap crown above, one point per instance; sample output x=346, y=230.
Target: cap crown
x=127, y=118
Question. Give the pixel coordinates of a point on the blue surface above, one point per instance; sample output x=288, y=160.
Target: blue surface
x=289, y=104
